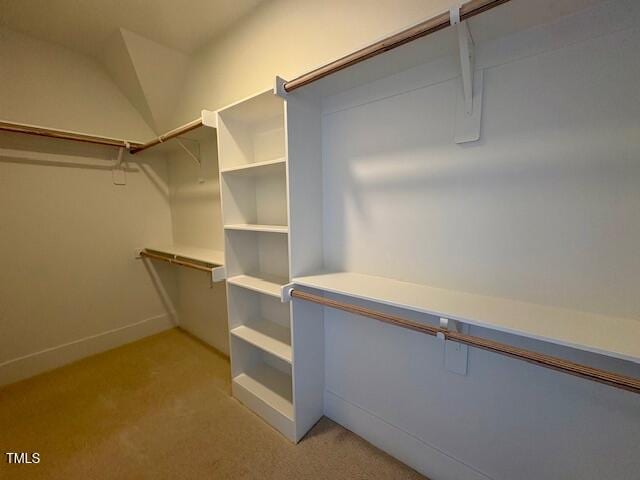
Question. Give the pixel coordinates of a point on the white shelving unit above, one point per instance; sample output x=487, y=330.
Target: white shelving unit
x=264, y=343
x=379, y=190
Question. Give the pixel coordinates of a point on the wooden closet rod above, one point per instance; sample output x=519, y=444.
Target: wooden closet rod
x=601, y=376
x=168, y=136
x=176, y=261
x=134, y=147
x=64, y=134
x=427, y=27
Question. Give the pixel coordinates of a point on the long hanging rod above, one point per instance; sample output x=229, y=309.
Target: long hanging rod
x=601, y=376
x=64, y=134
x=134, y=147
x=427, y=27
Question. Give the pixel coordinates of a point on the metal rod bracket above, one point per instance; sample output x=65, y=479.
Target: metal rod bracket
x=455, y=354
x=469, y=100
x=118, y=172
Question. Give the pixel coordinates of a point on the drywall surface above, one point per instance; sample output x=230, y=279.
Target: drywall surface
x=70, y=285
x=544, y=208
x=288, y=38
x=197, y=221
x=51, y=86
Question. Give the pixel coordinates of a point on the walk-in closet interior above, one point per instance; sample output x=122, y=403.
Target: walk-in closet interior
x=320, y=239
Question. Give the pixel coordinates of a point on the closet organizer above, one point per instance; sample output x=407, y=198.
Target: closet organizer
x=339, y=193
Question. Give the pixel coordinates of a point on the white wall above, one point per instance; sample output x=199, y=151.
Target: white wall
x=44, y=84
x=544, y=208
x=70, y=285
x=197, y=221
x=288, y=38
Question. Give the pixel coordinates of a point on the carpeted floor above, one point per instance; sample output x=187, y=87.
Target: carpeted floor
x=161, y=408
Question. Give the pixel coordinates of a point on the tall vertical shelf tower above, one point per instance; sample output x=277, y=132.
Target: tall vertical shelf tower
x=276, y=364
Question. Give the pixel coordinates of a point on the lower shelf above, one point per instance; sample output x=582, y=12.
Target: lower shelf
x=268, y=336
x=267, y=391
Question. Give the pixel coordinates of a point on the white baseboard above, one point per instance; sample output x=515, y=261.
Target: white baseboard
x=426, y=459
x=38, y=362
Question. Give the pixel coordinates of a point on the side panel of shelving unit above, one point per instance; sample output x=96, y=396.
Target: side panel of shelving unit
x=304, y=153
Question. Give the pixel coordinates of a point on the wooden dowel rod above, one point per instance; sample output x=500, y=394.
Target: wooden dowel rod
x=134, y=147
x=583, y=371
x=176, y=261
x=427, y=27
x=169, y=135
x=63, y=134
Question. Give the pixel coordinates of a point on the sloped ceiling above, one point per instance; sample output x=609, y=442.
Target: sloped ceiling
x=86, y=25
x=149, y=74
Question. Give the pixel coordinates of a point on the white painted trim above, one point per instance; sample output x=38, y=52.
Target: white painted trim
x=409, y=449
x=38, y=362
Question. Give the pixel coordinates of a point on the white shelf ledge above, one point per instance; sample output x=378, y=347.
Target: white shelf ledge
x=266, y=284
x=215, y=257
x=270, y=385
x=268, y=336
x=611, y=336
x=257, y=168
x=258, y=228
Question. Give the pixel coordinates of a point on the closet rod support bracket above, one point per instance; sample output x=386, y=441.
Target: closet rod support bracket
x=118, y=173
x=285, y=292
x=455, y=354
x=209, y=118
x=469, y=99
x=279, y=89
x=218, y=274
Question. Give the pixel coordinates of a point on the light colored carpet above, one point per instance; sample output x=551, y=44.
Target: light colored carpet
x=160, y=408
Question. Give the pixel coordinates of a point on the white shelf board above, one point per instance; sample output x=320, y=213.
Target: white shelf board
x=267, y=284
x=270, y=385
x=215, y=257
x=258, y=168
x=611, y=336
x=258, y=228
x=268, y=336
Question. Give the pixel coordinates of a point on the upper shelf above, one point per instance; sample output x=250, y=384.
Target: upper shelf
x=205, y=255
x=611, y=336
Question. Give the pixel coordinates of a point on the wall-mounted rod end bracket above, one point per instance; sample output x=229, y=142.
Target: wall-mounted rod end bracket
x=137, y=254
x=279, y=87
x=285, y=293
x=209, y=118
x=218, y=274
